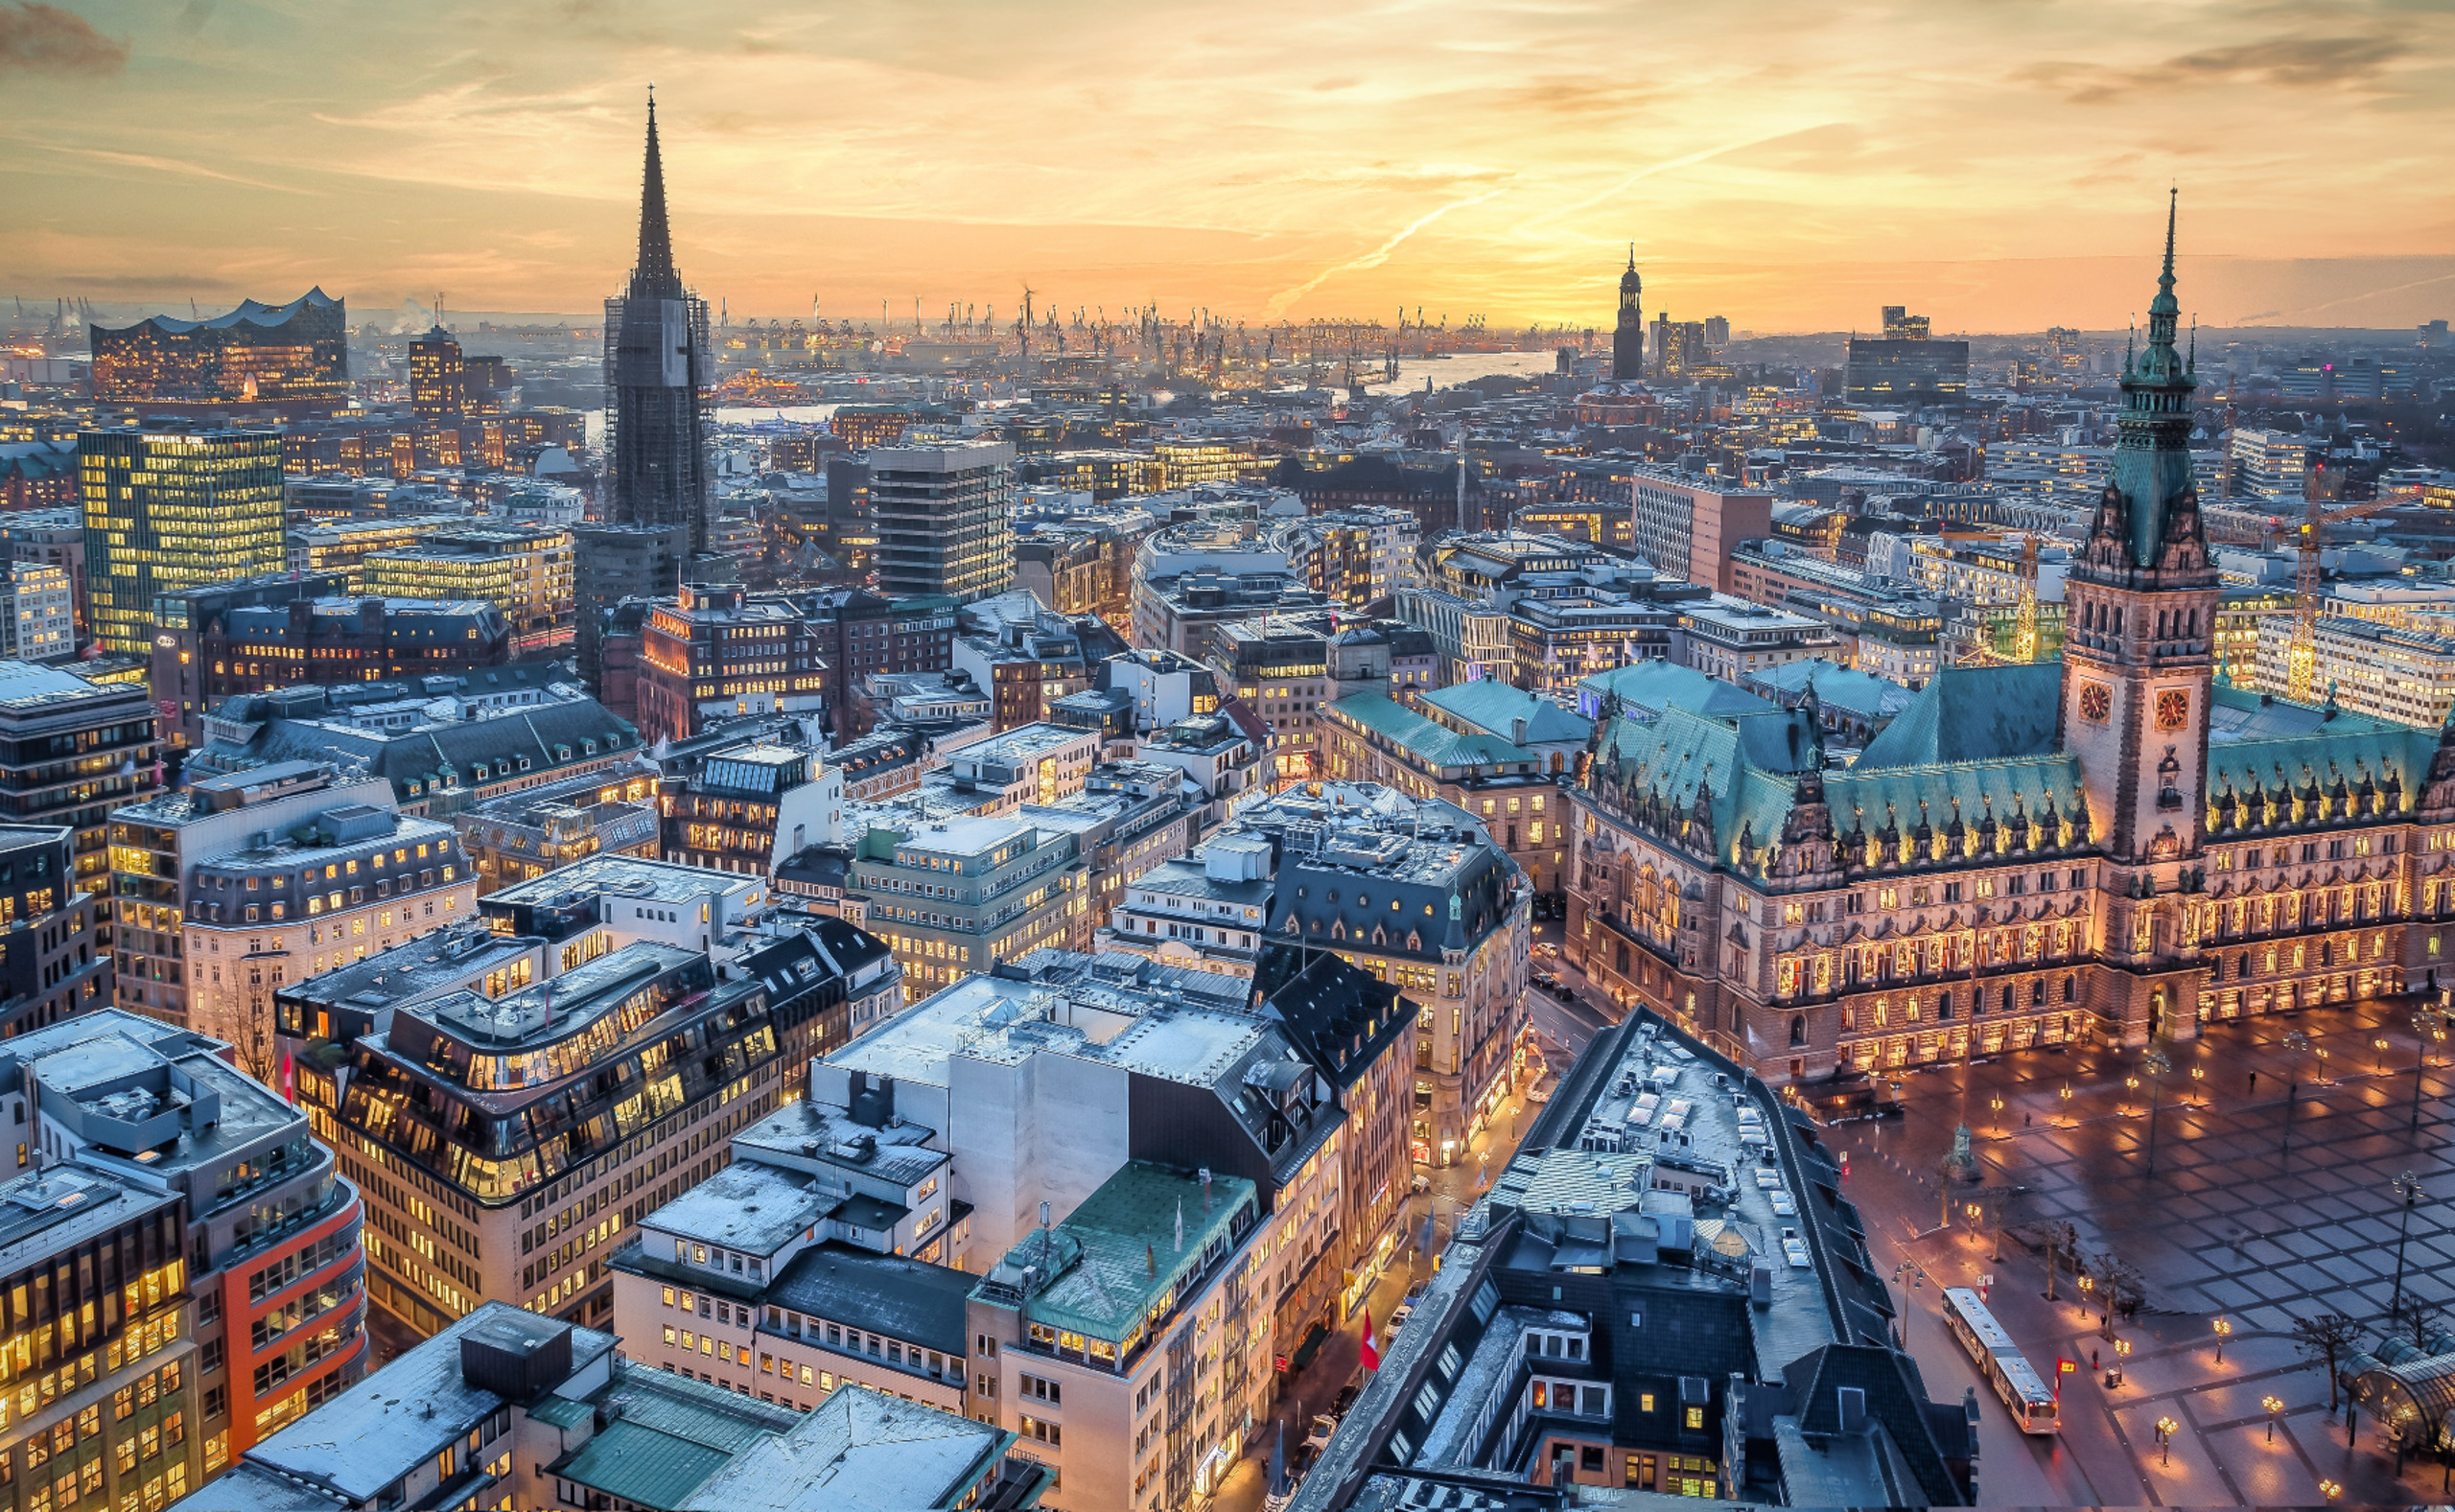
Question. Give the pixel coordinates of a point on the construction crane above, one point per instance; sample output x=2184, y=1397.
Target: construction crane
x=2025, y=626
x=2302, y=652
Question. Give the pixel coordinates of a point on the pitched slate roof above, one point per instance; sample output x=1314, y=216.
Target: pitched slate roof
x=1852, y=691
x=1974, y=714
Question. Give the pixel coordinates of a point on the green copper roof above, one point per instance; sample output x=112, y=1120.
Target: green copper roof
x=2256, y=740
x=1119, y=1260
x=1656, y=685
x=1974, y=714
x=1491, y=707
x=1842, y=687
x=642, y=1466
x=1434, y=745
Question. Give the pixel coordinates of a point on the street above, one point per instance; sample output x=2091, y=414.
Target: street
x=1564, y=1029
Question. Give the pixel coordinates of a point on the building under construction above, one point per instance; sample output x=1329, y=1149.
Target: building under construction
x=657, y=366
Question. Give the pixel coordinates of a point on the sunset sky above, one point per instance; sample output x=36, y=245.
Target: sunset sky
x=1999, y=164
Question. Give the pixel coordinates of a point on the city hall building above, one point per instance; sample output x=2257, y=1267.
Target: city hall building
x=2116, y=844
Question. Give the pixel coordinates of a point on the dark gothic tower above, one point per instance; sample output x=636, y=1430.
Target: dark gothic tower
x=656, y=364
x=1628, y=336
x=2136, y=665
x=657, y=494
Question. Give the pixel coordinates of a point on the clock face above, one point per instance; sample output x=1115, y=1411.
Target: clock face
x=2096, y=702
x=2173, y=708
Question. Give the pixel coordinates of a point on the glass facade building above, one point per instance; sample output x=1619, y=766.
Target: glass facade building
x=171, y=509
x=292, y=354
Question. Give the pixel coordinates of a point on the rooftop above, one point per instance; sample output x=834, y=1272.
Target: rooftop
x=380, y=1429
x=859, y=1451
x=1104, y=1270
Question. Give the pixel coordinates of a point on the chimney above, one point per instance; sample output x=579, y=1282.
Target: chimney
x=1517, y=731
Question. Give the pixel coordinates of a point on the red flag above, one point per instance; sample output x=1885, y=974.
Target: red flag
x=1371, y=1355
x=289, y=1079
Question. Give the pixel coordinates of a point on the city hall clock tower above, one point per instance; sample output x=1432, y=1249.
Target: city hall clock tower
x=2137, y=669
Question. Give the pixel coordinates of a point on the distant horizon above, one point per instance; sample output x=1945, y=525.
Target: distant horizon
x=129, y=312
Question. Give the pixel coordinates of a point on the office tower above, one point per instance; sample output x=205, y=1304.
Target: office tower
x=1686, y=529
x=239, y=1309
x=293, y=357
x=1907, y=366
x=439, y=377
x=716, y=653
x=944, y=518
x=170, y=509
x=1628, y=336
x=50, y=716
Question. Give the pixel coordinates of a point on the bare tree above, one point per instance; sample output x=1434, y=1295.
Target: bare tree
x=2323, y=1341
x=2421, y=1319
x=2063, y=1239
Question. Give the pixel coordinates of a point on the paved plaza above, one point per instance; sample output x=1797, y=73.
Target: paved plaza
x=2230, y=1226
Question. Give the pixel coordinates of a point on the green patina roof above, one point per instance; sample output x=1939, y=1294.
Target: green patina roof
x=672, y=1433
x=1858, y=692
x=1657, y=686
x=1974, y=714
x=1432, y=744
x=1117, y=1257
x=562, y=1411
x=642, y=1466
x=2250, y=737
x=1490, y=707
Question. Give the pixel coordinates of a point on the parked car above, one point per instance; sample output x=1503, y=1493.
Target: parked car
x=1319, y=1439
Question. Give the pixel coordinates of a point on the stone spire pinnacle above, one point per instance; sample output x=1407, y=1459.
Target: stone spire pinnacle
x=653, y=276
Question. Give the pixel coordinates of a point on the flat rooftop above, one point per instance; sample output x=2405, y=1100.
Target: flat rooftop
x=621, y=876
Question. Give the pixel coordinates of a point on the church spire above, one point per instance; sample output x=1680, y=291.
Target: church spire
x=653, y=276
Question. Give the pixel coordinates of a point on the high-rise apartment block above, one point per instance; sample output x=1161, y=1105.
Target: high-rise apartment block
x=173, y=509
x=37, y=612
x=944, y=518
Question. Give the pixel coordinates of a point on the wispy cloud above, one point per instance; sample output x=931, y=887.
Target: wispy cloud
x=1280, y=302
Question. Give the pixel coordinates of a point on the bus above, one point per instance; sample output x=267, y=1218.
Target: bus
x=2005, y=1367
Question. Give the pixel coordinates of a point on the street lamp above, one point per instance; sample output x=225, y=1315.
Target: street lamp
x=2224, y=1329
x=2274, y=1406
x=2200, y=1074
x=2165, y=1427
x=2331, y=1489
x=2156, y=1064
x=2428, y=1023
x=1997, y=1104
x=2067, y=1102
x=2379, y=1062
x=2131, y=1084
x=2296, y=1042
x=2410, y=1186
